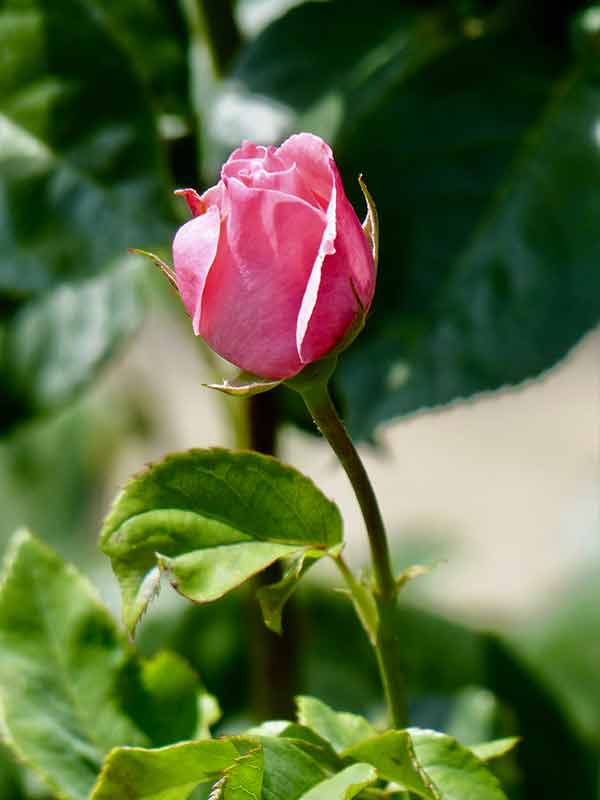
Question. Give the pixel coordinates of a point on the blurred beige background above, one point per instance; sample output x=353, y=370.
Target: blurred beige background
x=505, y=488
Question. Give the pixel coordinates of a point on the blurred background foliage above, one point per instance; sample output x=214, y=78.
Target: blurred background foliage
x=477, y=126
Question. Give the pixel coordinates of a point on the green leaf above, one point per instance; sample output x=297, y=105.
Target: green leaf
x=393, y=755
x=289, y=772
x=81, y=180
x=341, y=729
x=275, y=91
x=273, y=598
x=441, y=658
x=10, y=786
x=430, y=764
x=452, y=770
x=345, y=785
x=62, y=669
x=497, y=277
x=304, y=738
x=490, y=751
x=168, y=701
x=211, y=519
x=170, y=773
x=244, y=779
x=79, y=149
x=149, y=31
x=55, y=344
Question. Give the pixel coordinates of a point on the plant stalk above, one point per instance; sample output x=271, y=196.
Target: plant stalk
x=387, y=646
x=275, y=662
x=221, y=32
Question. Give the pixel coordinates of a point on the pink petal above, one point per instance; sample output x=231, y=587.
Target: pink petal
x=214, y=197
x=270, y=172
x=346, y=280
x=194, y=250
x=311, y=156
x=253, y=296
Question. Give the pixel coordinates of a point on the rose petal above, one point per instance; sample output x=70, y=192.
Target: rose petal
x=311, y=156
x=326, y=247
x=253, y=296
x=268, y=173
x=346, y=281
x=194, y=250
x=214, y=197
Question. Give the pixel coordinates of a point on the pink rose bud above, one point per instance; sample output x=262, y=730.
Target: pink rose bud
x=275, y=269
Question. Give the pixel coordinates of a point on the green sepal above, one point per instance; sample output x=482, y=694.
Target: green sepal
x=370, y=225
x=245, y=384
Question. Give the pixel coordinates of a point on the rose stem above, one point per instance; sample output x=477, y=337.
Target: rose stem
x=221, y=31
x=319, y=403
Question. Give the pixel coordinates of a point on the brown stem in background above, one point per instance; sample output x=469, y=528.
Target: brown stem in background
x=274, y=659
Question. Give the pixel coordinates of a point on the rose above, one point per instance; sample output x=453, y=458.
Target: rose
x=274, y=268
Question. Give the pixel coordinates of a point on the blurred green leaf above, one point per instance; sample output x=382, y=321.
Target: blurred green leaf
x=477, y=137
x=169, y=773
x=62, y=664
x=506, y=288
x=490, y=751
x=153, y=35
x=81, y=174
x=211, y=519
x=10, y=788
x=168, y=702
x=274, y=90
x=81, y=180
x=56, y=343
x=564, y=646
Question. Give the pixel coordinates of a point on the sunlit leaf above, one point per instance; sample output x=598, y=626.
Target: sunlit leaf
x=170, y=773
x=62, y=670
x=490, y=751
x=341, y=729
x=430, y=764
x=210, y=519
x=345, y=785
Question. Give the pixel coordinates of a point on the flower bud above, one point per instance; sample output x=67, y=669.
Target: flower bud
x=275, y=268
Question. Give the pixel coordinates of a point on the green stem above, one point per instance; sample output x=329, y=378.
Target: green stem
x=318, y=401
x=221, y=31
